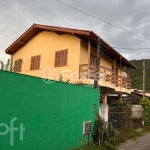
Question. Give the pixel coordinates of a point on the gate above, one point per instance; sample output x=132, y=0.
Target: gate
x=119, y=116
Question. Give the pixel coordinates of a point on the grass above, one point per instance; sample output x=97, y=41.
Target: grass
x=124, y=135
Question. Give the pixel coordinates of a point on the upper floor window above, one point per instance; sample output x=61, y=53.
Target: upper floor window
x=18, y=65
x=61, y=58
x=35, y=62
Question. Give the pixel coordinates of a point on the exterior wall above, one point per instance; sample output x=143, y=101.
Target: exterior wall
x=45, y=44
x=105, y=61
x=83, y=52
x=108, y=62
x=52, y=114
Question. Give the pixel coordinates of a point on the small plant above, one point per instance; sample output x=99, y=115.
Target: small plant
x=61, y=79
x=68, y=81
x=80, y=83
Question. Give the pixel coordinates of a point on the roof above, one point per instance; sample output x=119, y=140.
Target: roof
x=83, y=34
x=147, y=94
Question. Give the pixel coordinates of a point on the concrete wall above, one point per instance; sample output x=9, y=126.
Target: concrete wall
x=52, y=114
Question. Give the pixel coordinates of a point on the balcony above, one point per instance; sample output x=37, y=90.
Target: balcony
x=106, y=78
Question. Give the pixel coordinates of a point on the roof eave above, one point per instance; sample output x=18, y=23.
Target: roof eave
x=35, y=28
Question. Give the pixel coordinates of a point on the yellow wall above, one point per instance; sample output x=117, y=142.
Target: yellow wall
x=83, y=52
x=105, y=61
x=45, y=44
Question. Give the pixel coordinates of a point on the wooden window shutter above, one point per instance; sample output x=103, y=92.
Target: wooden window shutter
x=65, y=58
x=18, y=65
x=35, y=62
x=61, y=58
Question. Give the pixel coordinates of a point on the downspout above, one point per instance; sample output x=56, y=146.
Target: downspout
x=97, y=74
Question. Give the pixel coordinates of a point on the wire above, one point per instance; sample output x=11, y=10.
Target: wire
x=130, y=48
x=103, y=20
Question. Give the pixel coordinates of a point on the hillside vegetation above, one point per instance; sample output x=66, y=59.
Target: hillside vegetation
x=137, y=74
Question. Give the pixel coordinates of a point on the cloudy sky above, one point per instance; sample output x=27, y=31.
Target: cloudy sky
x=16, y=16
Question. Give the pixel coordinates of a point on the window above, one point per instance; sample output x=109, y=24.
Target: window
x=17, y=66
x=61, y=58
x=35, y=62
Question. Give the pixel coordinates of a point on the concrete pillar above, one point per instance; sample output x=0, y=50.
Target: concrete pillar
x=120, y=97
x=104, y=97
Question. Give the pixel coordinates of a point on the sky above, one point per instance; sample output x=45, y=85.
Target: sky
x=16, y=16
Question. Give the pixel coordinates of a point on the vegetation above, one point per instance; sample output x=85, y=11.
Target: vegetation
x=102, y=131
x=124, y=134
x=61, y=79
x=118, y=103
x=7, y=65
x=103, y=138
x=146, y=111
x=137, y=74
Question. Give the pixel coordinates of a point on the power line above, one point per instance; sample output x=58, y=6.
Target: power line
x=130, y=48
x=103, y=20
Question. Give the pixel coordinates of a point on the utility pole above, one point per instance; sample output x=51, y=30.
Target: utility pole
x=97, y=75
x=143, y=79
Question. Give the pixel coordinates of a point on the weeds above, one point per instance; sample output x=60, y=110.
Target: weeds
x=124, y=135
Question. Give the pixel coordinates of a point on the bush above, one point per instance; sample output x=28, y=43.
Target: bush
x=102, y=131
x=146, y=111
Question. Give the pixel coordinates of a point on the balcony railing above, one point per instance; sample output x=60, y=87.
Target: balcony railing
x=105, y=74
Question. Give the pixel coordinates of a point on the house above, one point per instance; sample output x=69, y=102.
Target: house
x=70, y=53
x=139, y=93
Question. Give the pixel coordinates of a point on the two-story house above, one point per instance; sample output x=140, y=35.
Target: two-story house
x=72, y=54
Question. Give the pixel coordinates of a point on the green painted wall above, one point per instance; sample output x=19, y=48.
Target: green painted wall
x=52, y=114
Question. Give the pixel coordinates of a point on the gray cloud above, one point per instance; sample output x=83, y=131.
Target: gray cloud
x=17, y=16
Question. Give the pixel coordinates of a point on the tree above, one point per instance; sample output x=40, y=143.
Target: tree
x=3, y=66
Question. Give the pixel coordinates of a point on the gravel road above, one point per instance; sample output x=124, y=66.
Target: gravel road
x=140, y=143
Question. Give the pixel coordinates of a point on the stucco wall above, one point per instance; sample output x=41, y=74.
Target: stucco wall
x=105, y=61
x=45, y=44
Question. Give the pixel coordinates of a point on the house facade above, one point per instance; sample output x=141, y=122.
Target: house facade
x=71, y=54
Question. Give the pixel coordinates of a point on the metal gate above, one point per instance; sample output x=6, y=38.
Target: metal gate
x=119, y=116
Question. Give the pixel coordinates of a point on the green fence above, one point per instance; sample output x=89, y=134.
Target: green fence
x=39, y=116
